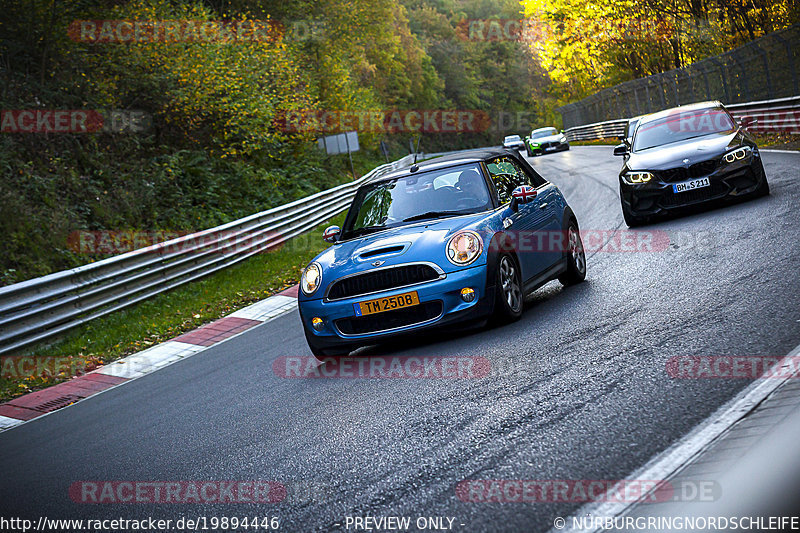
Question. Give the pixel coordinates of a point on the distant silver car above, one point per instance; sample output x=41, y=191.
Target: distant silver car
x=513, y=142
x=545, y=140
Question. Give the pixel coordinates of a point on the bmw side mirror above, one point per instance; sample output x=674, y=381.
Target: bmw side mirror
x=331, y=234
x=747, y=122
x=621, y=149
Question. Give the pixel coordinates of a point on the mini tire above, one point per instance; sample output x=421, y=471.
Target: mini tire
x=509, y=298
x=576, y=258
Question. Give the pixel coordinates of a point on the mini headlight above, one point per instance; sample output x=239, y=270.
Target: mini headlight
x=632, y=178
x=738, y=154
x=311, y=278
x=464, y=248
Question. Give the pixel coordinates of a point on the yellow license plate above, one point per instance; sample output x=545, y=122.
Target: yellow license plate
x=389, y=303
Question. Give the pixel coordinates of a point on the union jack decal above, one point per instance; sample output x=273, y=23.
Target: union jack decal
x=524, y=194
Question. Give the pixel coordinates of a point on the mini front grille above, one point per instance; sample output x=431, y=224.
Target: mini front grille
x=381, y=280
x=360, y=325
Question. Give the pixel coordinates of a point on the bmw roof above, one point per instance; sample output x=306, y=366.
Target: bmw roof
x=688, y=107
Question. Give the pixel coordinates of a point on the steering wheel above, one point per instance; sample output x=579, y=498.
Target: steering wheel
x=466, y=203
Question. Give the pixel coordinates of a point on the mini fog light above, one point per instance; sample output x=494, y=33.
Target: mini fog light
x=467, y=294
x=317, y=323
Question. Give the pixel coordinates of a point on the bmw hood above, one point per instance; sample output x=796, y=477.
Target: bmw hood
x=695, y=150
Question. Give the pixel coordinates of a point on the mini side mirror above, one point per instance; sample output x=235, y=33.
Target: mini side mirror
x=621, y=149
x=331, y=234
x=522, y=195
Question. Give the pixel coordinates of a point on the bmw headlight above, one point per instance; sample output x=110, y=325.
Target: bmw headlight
x=635, y=177
x=311, y=279
x=738, y=154
x=563, y=139
x=464, y=248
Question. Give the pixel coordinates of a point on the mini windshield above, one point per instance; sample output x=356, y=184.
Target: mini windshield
x=428, y=195
x=547, y=132
x=513, y=138
x=680, y=126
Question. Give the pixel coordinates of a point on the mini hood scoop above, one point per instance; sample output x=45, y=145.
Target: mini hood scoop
x=383, y=250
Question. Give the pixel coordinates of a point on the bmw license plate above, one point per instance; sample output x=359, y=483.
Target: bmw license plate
x=389, y=303
x=691, y=185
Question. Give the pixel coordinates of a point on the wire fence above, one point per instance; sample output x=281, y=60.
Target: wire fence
x=764, y=69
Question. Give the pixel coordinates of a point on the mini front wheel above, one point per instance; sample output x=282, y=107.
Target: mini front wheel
x=509, y=298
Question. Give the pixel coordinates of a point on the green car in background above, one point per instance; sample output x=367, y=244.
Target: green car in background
x=545, y=140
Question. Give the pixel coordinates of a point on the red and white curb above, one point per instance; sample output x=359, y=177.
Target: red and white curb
x=39, y=403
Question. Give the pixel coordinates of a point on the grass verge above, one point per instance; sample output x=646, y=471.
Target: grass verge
x=170, y=314
x=778, y=141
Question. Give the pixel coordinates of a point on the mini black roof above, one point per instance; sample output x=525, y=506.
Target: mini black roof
x=457, y=158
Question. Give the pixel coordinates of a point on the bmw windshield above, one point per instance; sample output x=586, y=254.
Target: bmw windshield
x=428, y=195
x=680, y=126
x=548, y=132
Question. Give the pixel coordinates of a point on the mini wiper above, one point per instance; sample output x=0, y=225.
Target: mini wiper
x=365, y=230
x=432, y=214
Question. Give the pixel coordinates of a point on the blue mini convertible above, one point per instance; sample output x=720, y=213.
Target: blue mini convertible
x=455, y=239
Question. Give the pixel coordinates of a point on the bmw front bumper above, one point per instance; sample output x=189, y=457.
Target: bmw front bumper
x=726, y=182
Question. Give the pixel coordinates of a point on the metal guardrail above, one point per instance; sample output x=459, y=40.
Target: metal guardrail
x=37, y=309
x=601, y=130
x=770, y=116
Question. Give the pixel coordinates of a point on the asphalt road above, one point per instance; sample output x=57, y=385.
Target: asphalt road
x=578, y=388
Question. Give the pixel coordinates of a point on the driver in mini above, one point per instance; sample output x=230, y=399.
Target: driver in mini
x=472, y=187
